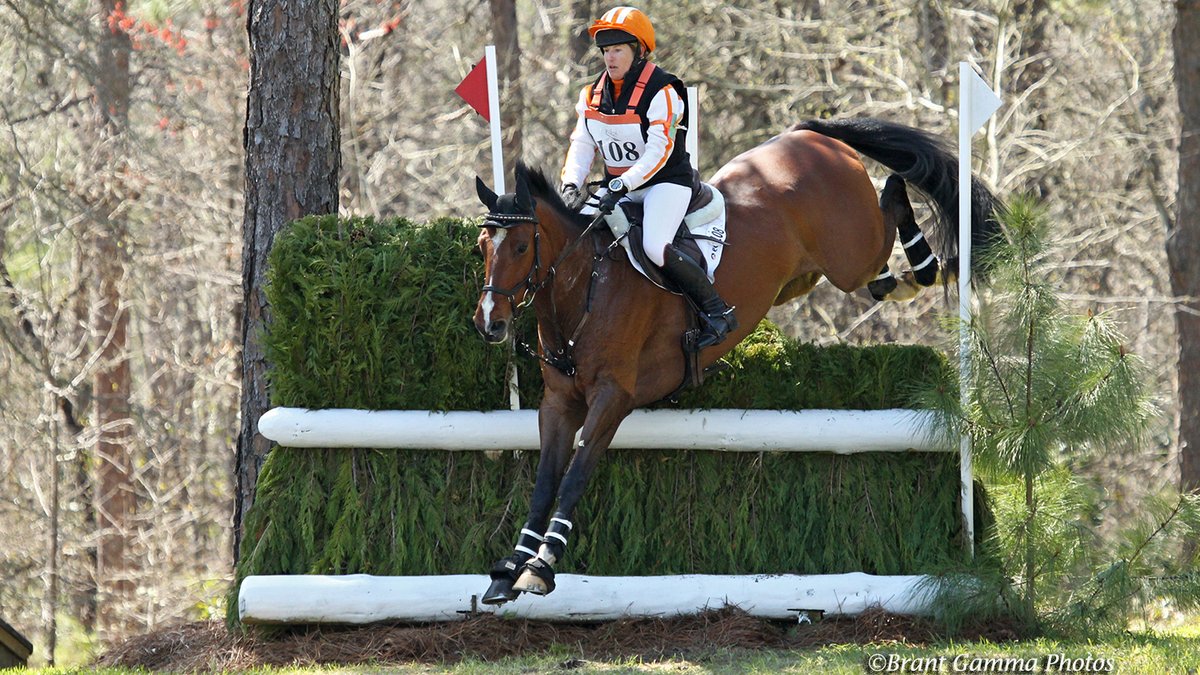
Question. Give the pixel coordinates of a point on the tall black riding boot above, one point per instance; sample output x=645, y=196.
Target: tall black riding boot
x=717, y=317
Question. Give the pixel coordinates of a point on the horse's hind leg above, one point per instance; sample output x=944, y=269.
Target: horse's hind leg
x=557, y=426
x=898, y=213
x=605, y=412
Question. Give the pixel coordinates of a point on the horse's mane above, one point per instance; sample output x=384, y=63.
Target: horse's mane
x=543, y=190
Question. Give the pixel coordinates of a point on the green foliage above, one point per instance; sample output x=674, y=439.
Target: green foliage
x=771, y=371
x=1145, y=568
x=1045, y=382
x=377, y=315
x=1050, y=388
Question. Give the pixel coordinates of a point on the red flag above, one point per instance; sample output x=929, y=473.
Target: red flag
x=474, y=90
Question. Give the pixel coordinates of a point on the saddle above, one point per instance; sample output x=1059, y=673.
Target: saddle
x=701, y=234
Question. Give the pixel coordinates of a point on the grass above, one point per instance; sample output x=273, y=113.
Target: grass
x=1174, y=651
x=1143, y=653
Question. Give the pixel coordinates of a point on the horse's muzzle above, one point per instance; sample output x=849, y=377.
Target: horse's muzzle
x=495, y=332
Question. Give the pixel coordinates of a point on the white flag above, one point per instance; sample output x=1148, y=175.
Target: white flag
x=980, y=99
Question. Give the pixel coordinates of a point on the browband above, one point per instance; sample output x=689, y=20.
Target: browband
x=506, y=220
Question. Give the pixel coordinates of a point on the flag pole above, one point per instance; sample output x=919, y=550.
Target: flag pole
x=693, y=126
x=493, y=87
x=964, y=292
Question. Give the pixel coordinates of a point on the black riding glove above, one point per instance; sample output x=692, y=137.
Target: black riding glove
x=609, y=201
x=572, y=196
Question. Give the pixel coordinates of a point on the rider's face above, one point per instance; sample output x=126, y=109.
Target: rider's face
x=618, y=59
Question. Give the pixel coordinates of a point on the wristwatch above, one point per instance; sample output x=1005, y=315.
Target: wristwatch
x=616, y=185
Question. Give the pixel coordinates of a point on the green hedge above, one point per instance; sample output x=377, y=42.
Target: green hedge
x=369, y=314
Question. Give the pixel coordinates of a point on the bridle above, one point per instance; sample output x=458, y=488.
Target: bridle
x=562, y=359
x=504, y=221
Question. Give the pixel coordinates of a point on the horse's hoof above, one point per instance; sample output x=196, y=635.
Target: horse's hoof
x=529, y=583
x=537, y=577
x=500, y=592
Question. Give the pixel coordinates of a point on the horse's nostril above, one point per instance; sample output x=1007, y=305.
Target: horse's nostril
x=497, y=329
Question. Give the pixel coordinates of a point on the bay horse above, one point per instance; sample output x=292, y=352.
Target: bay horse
x=800, y=207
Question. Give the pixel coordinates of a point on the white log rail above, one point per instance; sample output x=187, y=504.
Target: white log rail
x=838, y=431
x=361, y=598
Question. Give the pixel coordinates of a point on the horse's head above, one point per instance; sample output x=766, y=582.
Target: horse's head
x=509, y=242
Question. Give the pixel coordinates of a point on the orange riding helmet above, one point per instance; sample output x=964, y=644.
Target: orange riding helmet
x=623, y=24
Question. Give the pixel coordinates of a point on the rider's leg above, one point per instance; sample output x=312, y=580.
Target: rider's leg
x=665, y=205
x=717, y=316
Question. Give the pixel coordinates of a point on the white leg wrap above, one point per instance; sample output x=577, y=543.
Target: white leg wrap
x=932, y=257
x=910, y=242
x=545, y=554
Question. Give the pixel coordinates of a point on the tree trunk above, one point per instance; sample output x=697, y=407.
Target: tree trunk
x=508, y=53
x=50, y=602
x=1031, y=18
x=1183, y=242
x=293, y=154
x=934, y=25
x=583, y=12
x=115, y=499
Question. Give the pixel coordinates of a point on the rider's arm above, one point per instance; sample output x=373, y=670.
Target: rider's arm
x=582, y=150
x=664, y=116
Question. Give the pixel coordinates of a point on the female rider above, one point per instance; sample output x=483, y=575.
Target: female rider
x=632, y=115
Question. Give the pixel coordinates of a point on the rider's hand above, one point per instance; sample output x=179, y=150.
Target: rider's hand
x=616, y=190
x=572, y=196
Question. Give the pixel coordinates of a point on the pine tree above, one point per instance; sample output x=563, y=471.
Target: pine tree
x=1049, y=388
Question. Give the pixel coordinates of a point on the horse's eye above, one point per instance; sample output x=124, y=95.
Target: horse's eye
x=522, y=248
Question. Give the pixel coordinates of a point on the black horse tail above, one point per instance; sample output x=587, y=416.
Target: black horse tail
x=927, y=163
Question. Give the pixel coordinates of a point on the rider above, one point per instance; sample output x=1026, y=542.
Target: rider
x=632, y=114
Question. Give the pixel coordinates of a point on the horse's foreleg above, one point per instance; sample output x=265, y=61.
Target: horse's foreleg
x=604, y=416
x=557, y=428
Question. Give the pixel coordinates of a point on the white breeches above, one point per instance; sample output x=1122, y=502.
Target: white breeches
x=664, y=206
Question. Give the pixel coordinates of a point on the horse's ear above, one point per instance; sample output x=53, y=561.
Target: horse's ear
x=524, y=203
x=485, y=193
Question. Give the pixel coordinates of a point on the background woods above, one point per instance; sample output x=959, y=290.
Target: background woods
x=122, y=176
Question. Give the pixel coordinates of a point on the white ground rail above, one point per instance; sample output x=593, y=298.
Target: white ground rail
x=360, y=598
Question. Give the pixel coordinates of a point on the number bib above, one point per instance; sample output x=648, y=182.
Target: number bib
x=619, y=139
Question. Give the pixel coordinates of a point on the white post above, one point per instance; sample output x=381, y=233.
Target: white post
x=964, y=289
x=693, y=126
x=493, y=85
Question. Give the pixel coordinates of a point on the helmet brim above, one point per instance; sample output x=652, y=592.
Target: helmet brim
x=610, y=37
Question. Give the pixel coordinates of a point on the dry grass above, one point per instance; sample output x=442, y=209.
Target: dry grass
x=208, y=646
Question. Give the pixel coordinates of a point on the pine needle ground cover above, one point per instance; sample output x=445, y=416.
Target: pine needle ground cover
x=377, y=315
